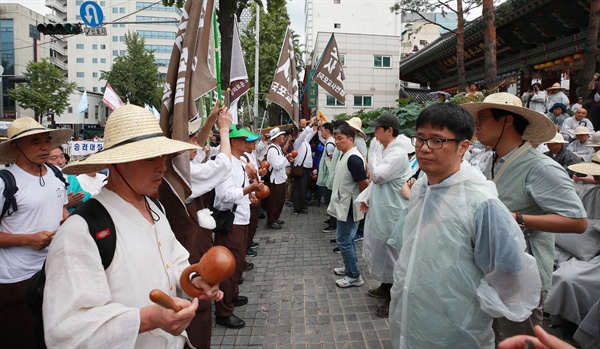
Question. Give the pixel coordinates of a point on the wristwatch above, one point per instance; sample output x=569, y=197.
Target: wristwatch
x=520, y=222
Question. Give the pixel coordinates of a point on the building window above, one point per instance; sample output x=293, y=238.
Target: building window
x=78, y=17
x=122, y=25
x=78, y=2
x=94, y=60
x=79, y=46
x=94, y=46
x=79, y=60
x=337, y=25
x=423, y=42
x=174, y=21
x=80, y=74
x=337, y=1
x=153, y=34
x=343, y=59
x=363, y=101
x=115, y=38
x=162, y=62
x=102, y=60
x=95, y=74
x=102, y=47
x=102, y=3
x=382, y=61
x=96, y=109
x=159, y=48
x=70, y=110
x=94, y=89
x=156, y=7
x=115, y=10
x=332, y=102
x=115, y=25
x=122, y=53
x=122, y=38
x=122, y=10
x=115, y=53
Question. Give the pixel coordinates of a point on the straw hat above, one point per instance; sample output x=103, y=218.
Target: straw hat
x=589, y=168
x=356, y=124
x=581, y=130
x=555, y=86
x=26, y=126
x=274, y=133
x=132, y=133
x=594, y=140
x=540, y=128
x=558, y=138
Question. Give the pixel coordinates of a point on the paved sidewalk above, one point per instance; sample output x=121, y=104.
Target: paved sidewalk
x=293, y=301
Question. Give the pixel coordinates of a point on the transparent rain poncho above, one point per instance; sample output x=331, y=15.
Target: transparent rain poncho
x=389, y=172
x=462, y=262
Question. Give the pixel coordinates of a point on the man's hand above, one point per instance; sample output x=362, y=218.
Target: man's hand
x=211, y=292
x=596, y=76
x=40, y=240
x=262, y=172
x=543, y=341
x=155, y=316
x=250, y=170
x=75, y=199
x=364, y=207
x=257, y=186
x=225, y=119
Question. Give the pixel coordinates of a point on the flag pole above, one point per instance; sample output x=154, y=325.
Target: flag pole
x=217, y=56
x=311, y=75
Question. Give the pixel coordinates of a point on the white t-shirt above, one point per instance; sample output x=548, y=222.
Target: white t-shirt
x=92, y=184
x=39, y=208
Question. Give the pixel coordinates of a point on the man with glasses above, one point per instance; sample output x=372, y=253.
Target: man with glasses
x=535, y=188
x=462, y=259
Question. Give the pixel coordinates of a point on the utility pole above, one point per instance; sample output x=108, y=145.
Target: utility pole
x=256, y=53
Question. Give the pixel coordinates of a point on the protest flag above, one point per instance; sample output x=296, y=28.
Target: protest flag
x=111, y=99
x=83, y=103
x=329, y=73
x=284, y=88
x=188, y=78
x=238, y=76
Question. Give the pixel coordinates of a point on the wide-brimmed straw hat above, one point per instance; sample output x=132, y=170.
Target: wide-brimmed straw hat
x=356, y=123
x=132, y=133
x=555, y=86
x=594, y=140
x=558, y=138
x=591, y=168
x=540, y=128
x=275, y=132
x=26, y=126
x=581, y=130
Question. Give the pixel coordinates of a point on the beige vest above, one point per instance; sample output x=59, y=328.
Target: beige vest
x=345, y=190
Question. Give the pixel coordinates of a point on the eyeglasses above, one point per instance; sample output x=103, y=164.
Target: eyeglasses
x=432, y=143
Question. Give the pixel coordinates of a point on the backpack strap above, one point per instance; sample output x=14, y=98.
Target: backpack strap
x=10, y=189
x=101, y=228
x=58, y=173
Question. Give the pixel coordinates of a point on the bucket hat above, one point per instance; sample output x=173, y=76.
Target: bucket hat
x=559, y=105
x=356, y=124
x=591, y=168
x=540, y=128
x=558, y=138
x=26, y=126
x=581, y=130
x=275, y=132
x=132, y=133
x=594, y=140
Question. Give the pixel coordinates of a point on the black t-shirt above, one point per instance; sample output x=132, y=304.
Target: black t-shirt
x=357, y=168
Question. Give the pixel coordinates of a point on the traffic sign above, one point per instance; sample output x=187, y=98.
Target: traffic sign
x=91, y=14
x=100, y=31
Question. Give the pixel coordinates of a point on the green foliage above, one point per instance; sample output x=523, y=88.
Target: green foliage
x=273, y=26
x=47, y=91
x=135, y=76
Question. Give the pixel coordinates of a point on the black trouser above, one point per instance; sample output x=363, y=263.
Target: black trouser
x=299, y=195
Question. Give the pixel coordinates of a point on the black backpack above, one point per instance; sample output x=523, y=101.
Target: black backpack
x=10, y=189
x=102, y=230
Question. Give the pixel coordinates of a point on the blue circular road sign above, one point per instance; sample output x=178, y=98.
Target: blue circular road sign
x=91, y=14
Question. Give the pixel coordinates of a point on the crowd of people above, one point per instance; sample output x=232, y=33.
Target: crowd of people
x=469, y=242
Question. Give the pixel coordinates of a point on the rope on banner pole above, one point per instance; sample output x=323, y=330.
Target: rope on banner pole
x=217, y=56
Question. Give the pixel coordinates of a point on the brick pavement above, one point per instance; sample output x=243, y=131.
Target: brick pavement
x=293, y=301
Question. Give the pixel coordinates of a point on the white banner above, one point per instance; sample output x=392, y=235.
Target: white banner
x=85, y=147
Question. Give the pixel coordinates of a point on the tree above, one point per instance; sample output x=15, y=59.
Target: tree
x=135, y=76
x=491, y=42
x=47, y=91
x=273, y=26
x=419, y=7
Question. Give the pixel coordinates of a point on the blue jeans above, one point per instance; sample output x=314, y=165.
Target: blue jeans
x=345, y=240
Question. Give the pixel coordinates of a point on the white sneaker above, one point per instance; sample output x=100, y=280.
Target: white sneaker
x=339, y=271
x=350, y=282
